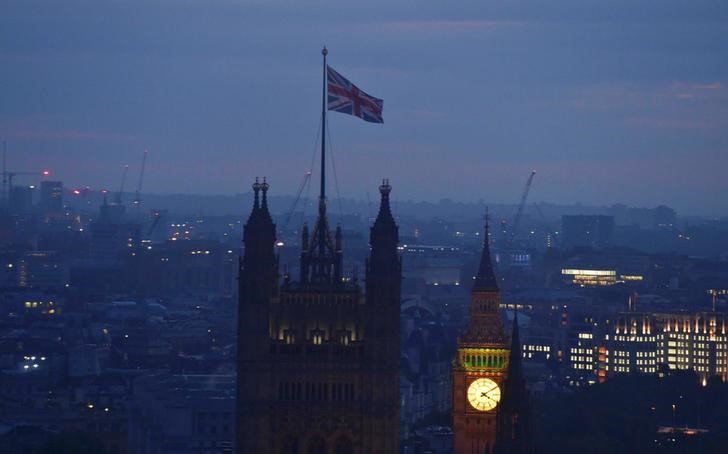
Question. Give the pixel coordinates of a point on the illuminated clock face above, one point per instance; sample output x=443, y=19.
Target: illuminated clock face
x=484, y=394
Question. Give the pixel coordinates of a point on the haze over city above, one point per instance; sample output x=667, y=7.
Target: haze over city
x=319, y=227
x=610, y=102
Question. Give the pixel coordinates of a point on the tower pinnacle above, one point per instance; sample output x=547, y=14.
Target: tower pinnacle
x=485, y=279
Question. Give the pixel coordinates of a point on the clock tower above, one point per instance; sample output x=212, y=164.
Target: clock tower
x=480, y=364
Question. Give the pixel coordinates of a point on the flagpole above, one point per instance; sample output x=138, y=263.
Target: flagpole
x=322, y=199
x=323, y=130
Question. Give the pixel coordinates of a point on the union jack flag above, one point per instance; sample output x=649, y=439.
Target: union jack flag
x=346, y=97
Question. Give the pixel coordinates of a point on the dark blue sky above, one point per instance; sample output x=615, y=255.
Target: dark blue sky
x=608, y=100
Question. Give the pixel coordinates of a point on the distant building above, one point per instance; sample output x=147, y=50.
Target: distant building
x=643, y=342
x=42, y=269
x=51, y=196
x=593, y=231
x=665, y=218
x=21, y=199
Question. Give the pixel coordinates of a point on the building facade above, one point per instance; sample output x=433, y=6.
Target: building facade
x=480, y=365
x=318, y=359
x=644, y=342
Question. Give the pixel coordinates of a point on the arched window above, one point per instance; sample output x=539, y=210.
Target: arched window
x=345, y=336
x=343, y=445
x=316, y=445
x=289, y=336
x=317, y=336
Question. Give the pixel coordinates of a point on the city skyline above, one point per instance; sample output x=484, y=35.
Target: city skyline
x=267, y=226
x=619, y=103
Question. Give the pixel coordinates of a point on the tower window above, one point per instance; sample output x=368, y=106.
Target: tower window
x=317, y=336
x=289, y=336
x=345, y=337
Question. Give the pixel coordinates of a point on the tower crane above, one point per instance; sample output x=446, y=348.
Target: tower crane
x=8, y=176
x=137, y=194
x=517, y=219
x=117, y=198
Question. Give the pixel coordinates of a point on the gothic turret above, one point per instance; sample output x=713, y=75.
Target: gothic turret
x=258, y=273
x=321, y=258
x=383, y=295
x=513, y=419
x=383, y=267
x=259, y=236
x=384, y=233
x=258, y=284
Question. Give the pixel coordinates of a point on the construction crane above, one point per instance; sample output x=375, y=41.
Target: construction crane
x=117, y=198
x=156, y=216
x=137, y=194
x=8, y=176
x=517, y=219
x=301, y=187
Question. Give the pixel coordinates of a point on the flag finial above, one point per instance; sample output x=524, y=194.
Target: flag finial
x=324, y=51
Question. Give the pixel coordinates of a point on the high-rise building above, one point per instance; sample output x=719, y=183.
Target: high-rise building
x=480, y=364
x=318, y=360
x=21, y=199
x=51, y=196
x=645, y=342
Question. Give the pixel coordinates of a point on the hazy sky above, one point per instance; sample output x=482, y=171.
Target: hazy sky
x=608, y=100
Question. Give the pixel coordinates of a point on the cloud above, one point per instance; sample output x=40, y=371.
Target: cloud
x=670, y=123
x=694, y=90
x=42, y=134
x=448, y=26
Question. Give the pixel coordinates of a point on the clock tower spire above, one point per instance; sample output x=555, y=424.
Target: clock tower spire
x=479, y=367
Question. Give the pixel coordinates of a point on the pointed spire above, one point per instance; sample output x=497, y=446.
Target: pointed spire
x=255, y=212
x=256, y=191
x=264, y=204
x=384, y=217
x=485, y=280
x=259, y=215
x=513, y=418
